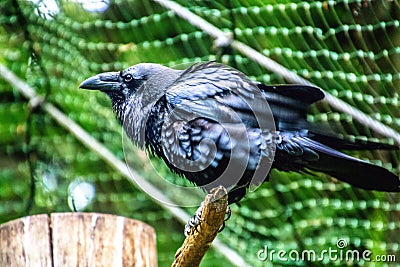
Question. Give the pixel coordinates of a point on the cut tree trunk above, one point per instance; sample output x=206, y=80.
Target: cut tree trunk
x=77, y=239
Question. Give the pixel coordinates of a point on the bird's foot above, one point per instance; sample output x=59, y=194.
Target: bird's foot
x=194, y=221
x=227, y=217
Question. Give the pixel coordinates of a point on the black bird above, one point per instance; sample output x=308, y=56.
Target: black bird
x=214, y=126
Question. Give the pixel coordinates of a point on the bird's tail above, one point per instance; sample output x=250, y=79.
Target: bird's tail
x=346, y=144
x=349, y=169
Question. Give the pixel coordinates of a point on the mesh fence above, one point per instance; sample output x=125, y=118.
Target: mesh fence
x=351, y=49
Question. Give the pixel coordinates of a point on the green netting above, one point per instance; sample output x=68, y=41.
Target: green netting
x=349, y=48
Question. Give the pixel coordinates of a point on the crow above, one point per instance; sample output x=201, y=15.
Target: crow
x=211, y=124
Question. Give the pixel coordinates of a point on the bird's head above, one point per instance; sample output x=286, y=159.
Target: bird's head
x=121, y=85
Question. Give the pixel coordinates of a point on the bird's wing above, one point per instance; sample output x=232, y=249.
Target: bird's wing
x=251, y=101
x=209, y=79
x=217, y=91
x=305, y=94
x=289, y=103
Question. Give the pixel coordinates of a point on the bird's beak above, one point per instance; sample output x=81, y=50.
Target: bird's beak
x=104, y=82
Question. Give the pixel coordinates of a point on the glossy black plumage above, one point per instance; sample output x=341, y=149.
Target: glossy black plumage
x=214, y=126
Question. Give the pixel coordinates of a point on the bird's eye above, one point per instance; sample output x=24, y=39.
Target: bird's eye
x=128, y=78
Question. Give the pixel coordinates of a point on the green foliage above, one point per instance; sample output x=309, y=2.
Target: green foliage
x=348, y=48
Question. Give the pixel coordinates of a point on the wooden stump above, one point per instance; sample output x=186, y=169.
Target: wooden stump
x=77, y=239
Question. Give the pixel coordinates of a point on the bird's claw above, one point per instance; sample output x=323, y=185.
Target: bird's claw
x=228, y=214
x=222, y=227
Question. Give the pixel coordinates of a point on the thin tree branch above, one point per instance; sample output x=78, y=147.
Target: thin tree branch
x=200, y=238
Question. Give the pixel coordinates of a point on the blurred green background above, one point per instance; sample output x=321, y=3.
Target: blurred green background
x=348, y=48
